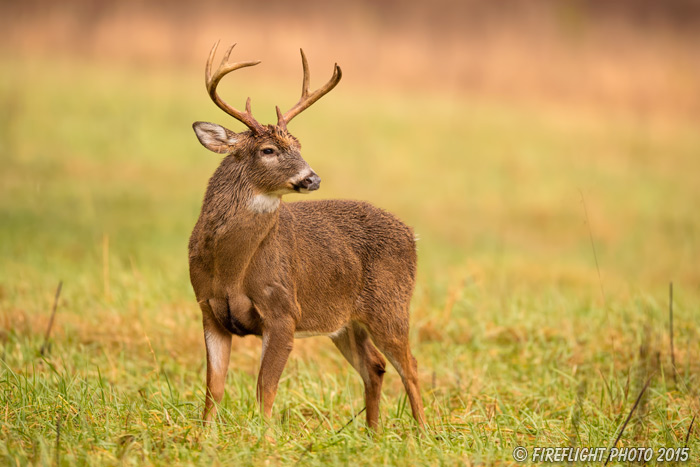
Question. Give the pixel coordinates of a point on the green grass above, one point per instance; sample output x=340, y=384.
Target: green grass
x=519, y=342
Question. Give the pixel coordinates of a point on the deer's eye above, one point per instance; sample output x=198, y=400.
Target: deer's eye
x=268, y=151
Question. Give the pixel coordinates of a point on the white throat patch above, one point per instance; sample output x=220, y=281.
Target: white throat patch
x=262, y=204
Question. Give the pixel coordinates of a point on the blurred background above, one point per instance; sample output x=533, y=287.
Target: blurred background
x=637, y=56
x=490, y=127
x=547, y=154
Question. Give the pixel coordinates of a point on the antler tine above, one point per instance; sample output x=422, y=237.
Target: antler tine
x=307, y=75
x=307, y=99
x=227, y=55
x=212, y=82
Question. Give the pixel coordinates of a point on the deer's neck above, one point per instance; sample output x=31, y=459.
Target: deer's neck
x=238, y=219
x=231, y=199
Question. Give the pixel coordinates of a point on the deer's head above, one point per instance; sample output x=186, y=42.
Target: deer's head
x=268, y=156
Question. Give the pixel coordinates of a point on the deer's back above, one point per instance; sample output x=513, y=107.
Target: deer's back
x=370, y=232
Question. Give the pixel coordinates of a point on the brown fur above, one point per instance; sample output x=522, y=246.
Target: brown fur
x=341, y=268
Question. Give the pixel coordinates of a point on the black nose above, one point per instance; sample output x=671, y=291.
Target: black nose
x=311, y=183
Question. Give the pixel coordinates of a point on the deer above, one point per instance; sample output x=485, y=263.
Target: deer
x=277, y=270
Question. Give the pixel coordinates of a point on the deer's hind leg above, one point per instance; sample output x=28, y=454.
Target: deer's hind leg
x=389, y=331
x=354, y=343
x=397, y=350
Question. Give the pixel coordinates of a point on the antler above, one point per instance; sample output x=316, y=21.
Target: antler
x=213, y=80
x=308, y=99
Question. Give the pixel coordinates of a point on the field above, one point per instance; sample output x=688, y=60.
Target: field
x=548, y=241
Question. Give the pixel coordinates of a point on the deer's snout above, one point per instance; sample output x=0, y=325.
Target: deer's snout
x=309, y=183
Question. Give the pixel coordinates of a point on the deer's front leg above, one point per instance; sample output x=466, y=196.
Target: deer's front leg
x=277, y=343
x=218, y=343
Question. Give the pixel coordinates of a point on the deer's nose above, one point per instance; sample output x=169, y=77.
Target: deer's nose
x=311, y=182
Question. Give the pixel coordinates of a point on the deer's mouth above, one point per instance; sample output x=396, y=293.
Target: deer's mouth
x=301, y=189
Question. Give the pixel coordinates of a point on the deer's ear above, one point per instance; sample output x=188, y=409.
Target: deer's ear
x=215, y=137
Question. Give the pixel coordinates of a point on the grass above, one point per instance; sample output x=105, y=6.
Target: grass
x=519, y=340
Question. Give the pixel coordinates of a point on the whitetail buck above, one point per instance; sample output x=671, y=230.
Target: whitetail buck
x=343, y=269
